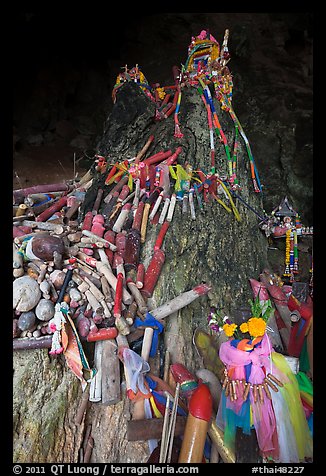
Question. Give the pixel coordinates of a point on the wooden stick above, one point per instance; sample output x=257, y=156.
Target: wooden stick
x=147, y=343
x=104, y=259
x=110, y=370
x=173, y=422
x=112, y=280
x=89, y=449
x=275, y=380
x=143, y=430
x=43, y=226
x=142, y=306
x=106, y=291
x=96, y=306
x=268, y=393
x=217, y=438
x=192, y=206
x=164, y=211
x=166, y=366
x=139, y=408
x=144, y=149
x=156, y=206
x=200, y=409
x=122, y=325
x=72, y=210
x=165, y=430
x=266, y=380
x=135, y=202
x=25, y=343
x=171, y=207
x=83, y=406
x=143, y=227
x=180, y=301
x=98, y=238
x=95, y=394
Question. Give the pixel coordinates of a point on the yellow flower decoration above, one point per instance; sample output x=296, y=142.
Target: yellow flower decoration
x=229, y=329
x=244, y=327
x=256, y=326
x=161, y=93
x=142, y=77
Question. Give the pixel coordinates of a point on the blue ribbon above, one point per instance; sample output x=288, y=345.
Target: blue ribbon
x=150, y=321
x=162, y=400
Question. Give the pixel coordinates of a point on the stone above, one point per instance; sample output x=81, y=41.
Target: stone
x=26, y=321
x=44, y=246
x=44, y=310
x=26, y=293
x=57, y=278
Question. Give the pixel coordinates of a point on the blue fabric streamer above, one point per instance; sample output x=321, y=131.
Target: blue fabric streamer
x=48, y=198
x=151, y=383
x=150, y=321
x=162, y=400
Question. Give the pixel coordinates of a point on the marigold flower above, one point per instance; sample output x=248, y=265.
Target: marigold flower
x=244, y=327
x=229, y=329
x=161, y=93
x=256, y=326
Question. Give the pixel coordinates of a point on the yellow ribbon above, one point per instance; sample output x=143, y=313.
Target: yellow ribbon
x=156, y=411
x=122, y=169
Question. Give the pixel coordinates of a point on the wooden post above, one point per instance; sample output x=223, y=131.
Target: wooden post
x=110, y=370
x=143, y=430
x=25, y=343
x=95, y=393
x=83, y=406
x=139, y=409
x=217, y=437
x=180, y=301
x=112, y=280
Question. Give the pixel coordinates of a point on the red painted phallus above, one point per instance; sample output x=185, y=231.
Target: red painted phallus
x=44, y=246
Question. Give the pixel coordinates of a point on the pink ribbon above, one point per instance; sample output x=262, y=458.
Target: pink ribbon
x=258, y=357
x=263, y=413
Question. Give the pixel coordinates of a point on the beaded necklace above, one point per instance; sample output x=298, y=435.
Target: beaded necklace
x=287, y=272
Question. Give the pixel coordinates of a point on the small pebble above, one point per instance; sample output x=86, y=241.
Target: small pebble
x=57, y=278
x=26, y=321
x=44, y=310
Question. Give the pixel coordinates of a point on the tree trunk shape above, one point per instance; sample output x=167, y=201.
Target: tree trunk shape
x=215, y=248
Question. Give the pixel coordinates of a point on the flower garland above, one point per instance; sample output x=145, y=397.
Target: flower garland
x=287, y=272
x=254, y=328
x=259, y=390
